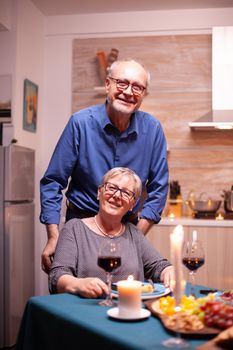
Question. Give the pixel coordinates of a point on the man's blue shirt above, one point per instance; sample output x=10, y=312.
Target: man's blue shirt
x=89, y=146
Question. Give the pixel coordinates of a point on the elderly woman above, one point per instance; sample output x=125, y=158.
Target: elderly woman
x=75, y=269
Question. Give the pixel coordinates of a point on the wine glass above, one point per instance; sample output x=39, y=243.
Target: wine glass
x=193, y=257
x=109, y=259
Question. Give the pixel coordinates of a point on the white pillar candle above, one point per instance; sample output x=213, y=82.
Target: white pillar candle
x=194, y=235
x=129, y=297
x=176, y=240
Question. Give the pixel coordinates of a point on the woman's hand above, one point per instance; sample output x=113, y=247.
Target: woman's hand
x=168, y=276
x=89, y=287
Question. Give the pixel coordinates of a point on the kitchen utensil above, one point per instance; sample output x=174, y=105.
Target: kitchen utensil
x=175, y=189
x=228, y=200
x=151, y=283
x=206, y=205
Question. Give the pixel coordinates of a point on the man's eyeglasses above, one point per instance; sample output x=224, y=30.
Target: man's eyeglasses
x=124, y=84
x=112, y=189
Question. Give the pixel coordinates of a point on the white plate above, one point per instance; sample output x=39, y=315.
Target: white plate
x=160, y=291
x=114, y=313
x=218, y=297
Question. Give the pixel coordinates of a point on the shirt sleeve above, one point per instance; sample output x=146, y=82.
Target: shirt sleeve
x=65, y=258
x=58, y=172
x=157, y=184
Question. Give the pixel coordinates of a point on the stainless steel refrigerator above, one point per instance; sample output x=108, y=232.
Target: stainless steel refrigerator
x=17, y=175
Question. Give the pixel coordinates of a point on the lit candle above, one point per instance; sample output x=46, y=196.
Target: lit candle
x=194, y=235
x=171, y=216
x=176, y=240
x=129, y=297
x=219, y=217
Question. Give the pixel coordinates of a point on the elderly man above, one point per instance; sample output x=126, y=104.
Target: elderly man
x=102, y=137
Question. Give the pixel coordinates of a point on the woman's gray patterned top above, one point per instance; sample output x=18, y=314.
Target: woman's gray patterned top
x=77, y=253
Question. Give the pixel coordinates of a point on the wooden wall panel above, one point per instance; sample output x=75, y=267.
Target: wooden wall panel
x=180, y=91
x=176, y=63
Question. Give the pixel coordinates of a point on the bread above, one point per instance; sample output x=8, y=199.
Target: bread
x=147, y=288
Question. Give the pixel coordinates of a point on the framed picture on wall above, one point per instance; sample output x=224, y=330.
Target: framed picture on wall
x=30, y=100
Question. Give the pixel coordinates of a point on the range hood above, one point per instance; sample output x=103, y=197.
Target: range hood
x=221, y=115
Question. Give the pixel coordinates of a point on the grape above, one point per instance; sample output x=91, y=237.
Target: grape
x=216, y=308
x=218, y=314
x=211, y=311
x=229, y=315
x=222, y=323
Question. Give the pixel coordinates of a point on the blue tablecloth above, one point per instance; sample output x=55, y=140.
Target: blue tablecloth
x=66, y=322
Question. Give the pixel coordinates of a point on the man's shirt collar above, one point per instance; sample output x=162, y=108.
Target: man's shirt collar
x=106, y=122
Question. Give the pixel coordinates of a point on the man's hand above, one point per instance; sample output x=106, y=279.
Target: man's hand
x=144, y=225
x=49, y=250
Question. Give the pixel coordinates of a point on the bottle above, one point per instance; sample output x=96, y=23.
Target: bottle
x=175, y=201
x=102, y=60
x=231, y=198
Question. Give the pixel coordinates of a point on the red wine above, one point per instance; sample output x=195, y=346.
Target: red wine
x=193, y=263
x=109, y=263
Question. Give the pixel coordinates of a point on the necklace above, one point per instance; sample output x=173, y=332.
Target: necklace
x=106, y=234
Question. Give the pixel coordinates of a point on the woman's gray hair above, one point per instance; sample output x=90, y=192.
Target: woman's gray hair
x=124, y=171
x=116, y=63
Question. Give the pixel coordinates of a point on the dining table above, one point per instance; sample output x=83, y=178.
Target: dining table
x=67, y=322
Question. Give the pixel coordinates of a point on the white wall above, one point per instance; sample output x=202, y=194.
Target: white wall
x=138, y=23
x=5, y=14
x=7, y=38
x=29, y=61
x=22, y=56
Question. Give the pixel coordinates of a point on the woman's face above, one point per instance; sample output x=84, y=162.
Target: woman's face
x=116, y=196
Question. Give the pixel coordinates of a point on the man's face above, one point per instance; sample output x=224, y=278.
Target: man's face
x=126, y=100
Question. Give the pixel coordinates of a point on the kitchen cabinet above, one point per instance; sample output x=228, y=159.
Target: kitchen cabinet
x=217, y=272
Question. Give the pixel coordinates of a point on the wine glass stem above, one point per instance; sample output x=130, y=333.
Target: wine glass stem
x=109, y=284
x=192, y=281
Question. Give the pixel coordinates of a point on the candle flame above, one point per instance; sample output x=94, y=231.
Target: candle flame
x=219, y=217
x=171, y=216
x=130, y=278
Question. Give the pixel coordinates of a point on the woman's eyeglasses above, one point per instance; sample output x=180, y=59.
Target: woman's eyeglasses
x=124, y=84
x=112, y=189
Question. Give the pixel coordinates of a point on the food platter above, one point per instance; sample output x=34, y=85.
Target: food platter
x=159, y=291
x=153, y=306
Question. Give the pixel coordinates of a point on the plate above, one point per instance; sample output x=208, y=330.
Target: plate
x=220, y=297
x=160, y=291
x=153, y=306
x=114, y=313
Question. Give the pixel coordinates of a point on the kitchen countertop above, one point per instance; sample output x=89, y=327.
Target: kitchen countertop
x=186, y=221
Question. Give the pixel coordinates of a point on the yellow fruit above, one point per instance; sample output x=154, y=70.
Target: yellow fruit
x=188, y=305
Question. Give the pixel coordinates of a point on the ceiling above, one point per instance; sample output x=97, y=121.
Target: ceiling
x=68, y=7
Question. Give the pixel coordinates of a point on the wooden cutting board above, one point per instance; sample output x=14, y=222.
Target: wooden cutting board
x=153, y=306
